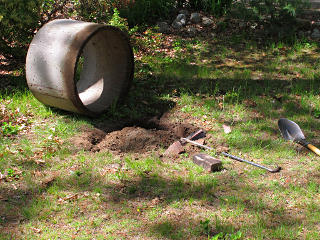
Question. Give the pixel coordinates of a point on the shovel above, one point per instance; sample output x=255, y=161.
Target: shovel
x=291, y=131
x=233, y=157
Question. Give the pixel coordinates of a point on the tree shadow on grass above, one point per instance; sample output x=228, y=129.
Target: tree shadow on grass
x=223, y=193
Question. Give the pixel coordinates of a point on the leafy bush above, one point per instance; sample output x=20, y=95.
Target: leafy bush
x=272, y=11
x=218, y=7
x=18, y=20
x=93, y=10
x=9, y=129
x=147, y=11
x=118, y=21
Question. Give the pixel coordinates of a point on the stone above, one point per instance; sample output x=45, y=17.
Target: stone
x=315, y=34
x=195, y=18
x=209, y=163
x=163, y=27
x=181, y=18
x=180, y=21
x=174, y=149
x=183, y=11
x=242, y=24
x=177, y=25
x=192, y=31
x=207, y=21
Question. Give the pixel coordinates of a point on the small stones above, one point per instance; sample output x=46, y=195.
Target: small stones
x=163, y=27
x=195, y=18
x=206, y=21
x=180, y=21
x=315, y=34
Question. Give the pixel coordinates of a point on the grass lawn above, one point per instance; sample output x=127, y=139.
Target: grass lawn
x=52, y=187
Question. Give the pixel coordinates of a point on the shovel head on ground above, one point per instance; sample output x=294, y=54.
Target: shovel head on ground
x=208, y=162
x=178, y=146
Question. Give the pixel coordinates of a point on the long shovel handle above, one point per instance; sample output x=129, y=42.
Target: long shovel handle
x=252, y=163
x=232, y=156
x=314, y=149
x=308, y=145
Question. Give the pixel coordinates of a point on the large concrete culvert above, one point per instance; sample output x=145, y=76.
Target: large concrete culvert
x=79, y=66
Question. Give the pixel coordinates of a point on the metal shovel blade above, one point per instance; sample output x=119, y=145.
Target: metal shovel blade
x=290, y=130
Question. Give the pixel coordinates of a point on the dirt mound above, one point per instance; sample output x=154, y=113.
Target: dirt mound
x=87, y=139
x=142, y=136
x=135, y=139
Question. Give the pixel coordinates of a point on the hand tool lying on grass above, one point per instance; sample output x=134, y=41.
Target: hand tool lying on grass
x=178, y=146
x=291, y=131
x=232, y=156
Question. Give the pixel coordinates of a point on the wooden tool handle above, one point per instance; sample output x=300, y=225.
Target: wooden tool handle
x=314, y=149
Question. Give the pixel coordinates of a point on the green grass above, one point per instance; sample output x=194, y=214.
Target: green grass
x=207, y=83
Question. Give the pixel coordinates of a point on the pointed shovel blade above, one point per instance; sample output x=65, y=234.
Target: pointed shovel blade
x=290, y=130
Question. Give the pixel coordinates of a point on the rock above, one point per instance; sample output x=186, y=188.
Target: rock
x=163, y=27
x=181, y=17
x=209, y=163
x=315, y=34
x=174, y=149
x=180, y=21
x=183, y=11
x=192, y=31
x=195, y=18
x=242, y=24
x=206, y=21
x=177, y=25
x=254, y=26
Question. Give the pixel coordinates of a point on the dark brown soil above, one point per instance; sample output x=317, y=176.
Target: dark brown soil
x=136, y=137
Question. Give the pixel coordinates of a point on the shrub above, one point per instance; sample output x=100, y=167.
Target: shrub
x=218, y=7
x=141, y=12
x=272, y=11
x=118, y=21
x=18, y=20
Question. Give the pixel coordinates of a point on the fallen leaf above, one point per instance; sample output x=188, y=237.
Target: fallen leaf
x=226, y=128
x=47, y=181
x=222, y=149
x=71, y=197
x=2, y=176
x=36, y=230
x=2, y=198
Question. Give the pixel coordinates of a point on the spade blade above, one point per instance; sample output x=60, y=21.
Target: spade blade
x=290, y=130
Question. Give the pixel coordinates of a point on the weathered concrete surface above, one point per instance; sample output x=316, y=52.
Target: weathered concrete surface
x=106, y=59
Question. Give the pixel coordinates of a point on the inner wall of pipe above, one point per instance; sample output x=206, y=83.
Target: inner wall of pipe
x=104, y=62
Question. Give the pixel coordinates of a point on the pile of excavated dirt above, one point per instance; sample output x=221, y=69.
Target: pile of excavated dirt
x=137, y=137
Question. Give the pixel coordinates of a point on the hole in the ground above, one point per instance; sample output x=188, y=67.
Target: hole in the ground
x=137, y=136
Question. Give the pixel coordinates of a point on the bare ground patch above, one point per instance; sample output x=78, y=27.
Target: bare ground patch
x=140, y=136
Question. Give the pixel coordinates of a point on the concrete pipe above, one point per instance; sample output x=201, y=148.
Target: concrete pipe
x=79, y=66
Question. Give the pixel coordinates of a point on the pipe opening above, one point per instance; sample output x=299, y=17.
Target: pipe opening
x=101, y=71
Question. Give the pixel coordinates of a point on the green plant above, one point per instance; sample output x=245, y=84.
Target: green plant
x=205, y=226
x=18, y=21
x=278, y=11
x=9, y=129
x=231, y=236
x=118, y=21
x=219, y=7
x=10, y=172
x=147, y=11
